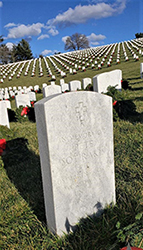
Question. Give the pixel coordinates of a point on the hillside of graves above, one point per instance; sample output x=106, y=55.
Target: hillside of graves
x=22, y=212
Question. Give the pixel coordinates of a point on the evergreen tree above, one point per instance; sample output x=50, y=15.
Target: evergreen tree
x=22, y=51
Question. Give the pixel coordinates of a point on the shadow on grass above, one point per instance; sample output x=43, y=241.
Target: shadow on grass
x=134, y=78
x=137, y=89
x=23, y=169
x=126, y=110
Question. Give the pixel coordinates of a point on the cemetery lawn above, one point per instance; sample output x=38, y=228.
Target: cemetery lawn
x=22, y=214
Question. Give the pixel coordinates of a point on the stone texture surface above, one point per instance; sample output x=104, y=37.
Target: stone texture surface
x=74, y=85
x=51, y=90
x=64, y=87
x=4, y=120
x=22, y=100
x=75, y=134
x=8, y=104
x=102, y=81
x=32, y=96
x=86, y=82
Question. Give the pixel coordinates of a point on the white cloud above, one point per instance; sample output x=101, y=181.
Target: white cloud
x=1, y=3
x=122, y=5
x=23, y=30
x=46, y=52
x=9, y=45
x=53, y=32
x=95, y=39
x=43, y=37
x=95, y=43
x=64, y=39
x=10, y=25
x=81, y=14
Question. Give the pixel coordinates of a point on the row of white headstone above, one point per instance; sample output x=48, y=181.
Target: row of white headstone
x=6, y=93
x=20, y=100
x=77, y=162
x=73, y=60
x=100, y=83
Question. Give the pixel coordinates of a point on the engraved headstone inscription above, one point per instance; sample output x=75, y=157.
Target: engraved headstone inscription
x=75, y=134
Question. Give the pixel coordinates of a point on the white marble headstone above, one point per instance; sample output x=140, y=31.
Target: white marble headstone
x=75, y=134
x=102, y=81
x=32, y=96
x=74, y=85
x=8, y=104
x=86, y=82
x=51, y=90
x=64, y=87
x=4, y=120
x=22, y=100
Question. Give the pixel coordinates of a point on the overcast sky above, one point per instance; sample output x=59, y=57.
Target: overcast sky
x=45, y=24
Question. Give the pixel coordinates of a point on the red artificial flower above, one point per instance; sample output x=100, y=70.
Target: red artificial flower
x=32, y=103
x=36, y=91
x=25, y=110
x=2, y=145
x=13, y=96
x=114, y=103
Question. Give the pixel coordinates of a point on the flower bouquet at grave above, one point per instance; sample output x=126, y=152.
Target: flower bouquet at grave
x=21, y=114
x=122, y=109
x=24, y=114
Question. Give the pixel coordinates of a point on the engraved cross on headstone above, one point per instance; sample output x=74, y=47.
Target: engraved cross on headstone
x=80, y=111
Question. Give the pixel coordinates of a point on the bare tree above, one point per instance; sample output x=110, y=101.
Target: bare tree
x=76, y=41
x=5, y=54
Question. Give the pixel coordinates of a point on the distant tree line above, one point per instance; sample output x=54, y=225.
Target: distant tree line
x=139, y=35
x=22, y=50
x=18, y=52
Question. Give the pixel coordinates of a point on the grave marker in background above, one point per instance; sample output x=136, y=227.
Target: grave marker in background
x=4, y=114
x=75, y=134
x=51, y=90
x=32, y=96
x=74, y=85
x=22, y=100
x=8, y=104
x=86, y=82
x=102, y=81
